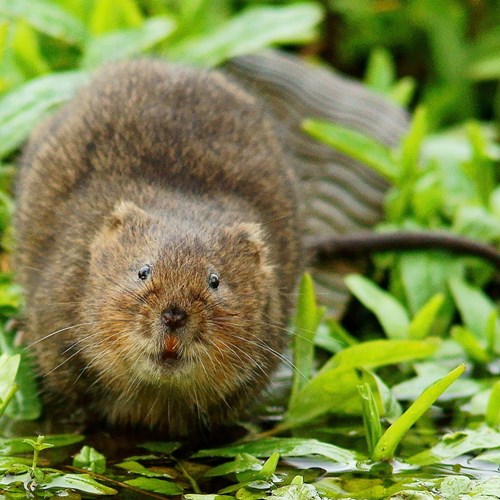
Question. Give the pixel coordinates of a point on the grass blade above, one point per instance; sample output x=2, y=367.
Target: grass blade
x=388, y=443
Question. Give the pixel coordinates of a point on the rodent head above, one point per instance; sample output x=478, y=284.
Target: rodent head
x=184, y=306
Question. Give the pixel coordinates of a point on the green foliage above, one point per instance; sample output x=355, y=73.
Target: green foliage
x=32, y=30
x=454, y=42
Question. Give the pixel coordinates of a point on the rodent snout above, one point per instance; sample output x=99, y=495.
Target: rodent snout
x=174, y=318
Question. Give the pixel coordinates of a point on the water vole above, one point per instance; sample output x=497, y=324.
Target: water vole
x=158, y=245
x=160, y=233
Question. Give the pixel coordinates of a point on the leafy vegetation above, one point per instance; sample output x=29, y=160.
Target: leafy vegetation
x=380, y=406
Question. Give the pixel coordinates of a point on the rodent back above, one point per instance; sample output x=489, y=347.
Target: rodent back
x=148, y=122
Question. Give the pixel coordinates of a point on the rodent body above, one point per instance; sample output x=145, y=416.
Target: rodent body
x=158, y=245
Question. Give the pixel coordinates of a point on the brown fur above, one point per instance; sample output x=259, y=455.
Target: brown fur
x=176, y=168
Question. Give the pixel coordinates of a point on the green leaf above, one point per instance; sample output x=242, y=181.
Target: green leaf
x=387, y=444
x=375, y=353
x=286, y=447
x=465, y=488
x=380, y=73
x=16, y=446
x=243, y=462
x=425, y=274
x=166, y=447
x=27, y=51
x=486, y=68
x=333, y=391
x=423, y=320
x=411, y=145
x=371, y=416
x=297, y=490
x=457, y=444
x=109, y=15
x=250, y=31
x=127, y=43
x=137, y=468
x=27, y=105
x=428, y=373
x=480, y=169
x=493, y=408
x=80, y=482
x=39, y=444
x=491, y=337
x=8, y=371
x=332, y=337
x=307, y=320
x=269, y=467
x=46, y=17
x=156, y=485
x=26, y=403
x=472, y=347
x=356, y=145
x=390, y=313
x=89, y=458
x=475, y=308
x=477, y=222
x=403, y=90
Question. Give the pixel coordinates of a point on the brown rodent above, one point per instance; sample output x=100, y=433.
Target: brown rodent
x=157, y=182
x=158, y=246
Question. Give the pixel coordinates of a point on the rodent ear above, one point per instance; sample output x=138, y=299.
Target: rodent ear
x=122, y=212
x=250, y=239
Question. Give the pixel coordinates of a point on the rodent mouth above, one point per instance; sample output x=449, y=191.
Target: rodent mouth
x=170, y=353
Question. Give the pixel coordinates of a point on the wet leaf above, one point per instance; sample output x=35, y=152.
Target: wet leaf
x=242, y=462
x=89, y=458
x=80, y=482
x=456, y=444
x=156, y=485
x=286, y=447
x=297, y=490
x=137, y=468
x=465, y=488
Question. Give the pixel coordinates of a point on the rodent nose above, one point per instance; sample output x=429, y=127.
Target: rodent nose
x=174, y=318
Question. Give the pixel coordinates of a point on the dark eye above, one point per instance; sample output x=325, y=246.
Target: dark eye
x=213, y=281
x=144, y=272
